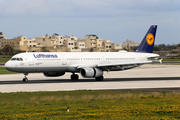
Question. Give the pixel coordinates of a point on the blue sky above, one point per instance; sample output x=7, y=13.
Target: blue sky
x=115, y=20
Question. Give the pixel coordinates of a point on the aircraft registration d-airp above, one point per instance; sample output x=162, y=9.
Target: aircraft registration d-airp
x=88, y=64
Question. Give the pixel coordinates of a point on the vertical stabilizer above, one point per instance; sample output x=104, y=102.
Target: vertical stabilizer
x=147, y=43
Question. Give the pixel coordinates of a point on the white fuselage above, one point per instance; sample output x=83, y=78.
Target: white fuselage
x=69, y=61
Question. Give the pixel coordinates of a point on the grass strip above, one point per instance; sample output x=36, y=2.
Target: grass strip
x=4, y=71
x=90, y=105
x=4, y=60
x=171, y=59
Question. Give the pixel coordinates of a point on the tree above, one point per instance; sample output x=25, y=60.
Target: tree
x=7, y=49
x=156, y=48
x=179, y=45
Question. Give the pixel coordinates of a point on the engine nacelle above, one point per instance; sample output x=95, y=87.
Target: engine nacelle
x=91, y=72
x=53, y=74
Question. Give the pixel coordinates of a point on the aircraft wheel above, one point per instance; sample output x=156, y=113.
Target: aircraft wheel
x=99, y=78
x=25, y=79
x=74, y=77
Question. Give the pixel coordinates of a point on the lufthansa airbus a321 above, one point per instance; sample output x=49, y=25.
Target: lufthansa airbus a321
x=88, y=64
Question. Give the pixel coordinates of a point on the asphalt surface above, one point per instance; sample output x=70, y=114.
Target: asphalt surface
x=145, y=78
x=41, y=81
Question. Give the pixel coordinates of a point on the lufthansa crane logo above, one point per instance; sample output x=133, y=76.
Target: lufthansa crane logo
x=150, y=39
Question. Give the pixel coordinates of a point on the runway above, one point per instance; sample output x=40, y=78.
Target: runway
x=147, y=77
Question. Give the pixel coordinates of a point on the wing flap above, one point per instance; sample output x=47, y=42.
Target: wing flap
x=123, y=63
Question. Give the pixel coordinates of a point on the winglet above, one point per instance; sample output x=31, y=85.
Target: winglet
x=160, y=61
x=147, y=43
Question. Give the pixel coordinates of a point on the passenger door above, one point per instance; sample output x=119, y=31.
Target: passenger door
x=64, y=60
x=30, y=59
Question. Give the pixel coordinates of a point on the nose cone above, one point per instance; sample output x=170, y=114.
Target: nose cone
x=9, y=66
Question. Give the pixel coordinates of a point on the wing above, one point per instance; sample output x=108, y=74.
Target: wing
x=118, y=65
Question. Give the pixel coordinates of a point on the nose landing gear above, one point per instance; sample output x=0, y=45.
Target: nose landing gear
x=25, y=79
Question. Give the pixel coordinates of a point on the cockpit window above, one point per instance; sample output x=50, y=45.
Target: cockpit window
x=13, y=59
x=16, y=59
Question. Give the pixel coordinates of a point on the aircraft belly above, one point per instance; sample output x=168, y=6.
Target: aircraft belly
x=51, y=69
x=22, y=69
x=72, y=69
x=39, y=69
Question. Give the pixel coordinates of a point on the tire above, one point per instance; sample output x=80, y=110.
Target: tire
x=25, y=79
x=99, y=78
x=74, y=77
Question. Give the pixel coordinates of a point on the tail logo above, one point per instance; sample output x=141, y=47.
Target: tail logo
x=150, y=39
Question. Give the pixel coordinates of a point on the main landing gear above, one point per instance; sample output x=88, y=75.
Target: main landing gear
x=74, y=76
x=25, y=79
x=101, y=78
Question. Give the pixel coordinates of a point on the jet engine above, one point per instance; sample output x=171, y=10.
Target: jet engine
x=91, y=72
x=53, y=74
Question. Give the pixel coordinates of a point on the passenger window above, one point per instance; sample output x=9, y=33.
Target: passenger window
x=18, y=59
x=21, y=59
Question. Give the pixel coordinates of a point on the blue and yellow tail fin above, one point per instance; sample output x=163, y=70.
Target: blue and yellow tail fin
x=147, y=43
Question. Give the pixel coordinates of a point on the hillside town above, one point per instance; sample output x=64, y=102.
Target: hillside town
x=59, y=43
x=90, y=43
